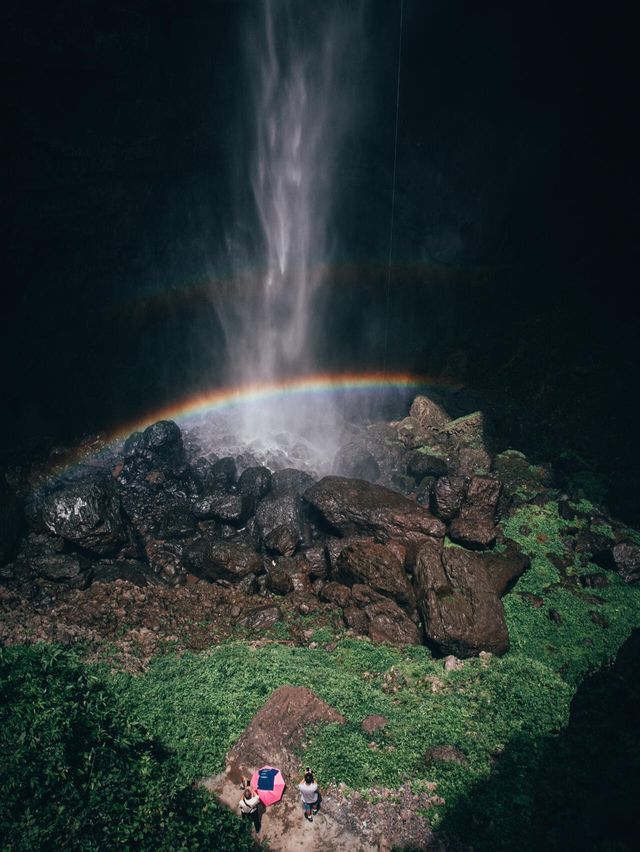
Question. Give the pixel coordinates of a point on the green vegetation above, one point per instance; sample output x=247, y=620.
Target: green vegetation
x=82, y=770
x=79, y=773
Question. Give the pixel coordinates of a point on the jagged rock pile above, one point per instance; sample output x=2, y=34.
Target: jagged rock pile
x=401, y=567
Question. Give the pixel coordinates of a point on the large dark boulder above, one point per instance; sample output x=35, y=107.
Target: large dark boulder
x=481, y=498
x=458, y=593
x=318, y=561
x=290, y=482
x=221, y=560
x=275, y=512
x=223, y=474
x=254, y=483
x=158, y=449
x=377, y=566
x=282, y=541
x=421, y=464
x=354, y=460
x=154, y=512
x=386, y=622
x=447, y=496
x=473, y=507
x=467, y=431
x=353, y=506
x=428, y=413
x=473, y=532
x=336, y=593
x=88, y=514
x=230, y=507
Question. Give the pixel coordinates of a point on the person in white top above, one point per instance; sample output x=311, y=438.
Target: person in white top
x=310, y=795
x=249, y=805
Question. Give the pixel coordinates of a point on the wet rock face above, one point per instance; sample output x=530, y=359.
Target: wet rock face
x=378, y=567
x=154, y=512
x=481, y=498
x=356, y=461
x=420, y=464
x=282, y=541
x=222, y=474
x=221, y=560
x=447, y=496
x=341, y=543
x=254, y=483
x=458, y=593
x=336, y=593
x=290, y=482
x=473, y=532
x=381, y=618
x=427, y=413
x=387, y=623
x=467, y=431
x=280, y=513
x=289, y=575
x=353, y=506
x=165, y=559
x=159, y=448
x=228, y=507
x=87, y=514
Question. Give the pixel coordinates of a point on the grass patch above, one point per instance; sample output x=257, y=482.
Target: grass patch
x=103, y=760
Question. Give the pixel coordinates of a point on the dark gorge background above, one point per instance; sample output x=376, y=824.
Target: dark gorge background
x=514, y=242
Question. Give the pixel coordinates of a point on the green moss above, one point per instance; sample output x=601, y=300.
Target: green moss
x=603, y=529
x=632, y=535
x=431, y=451
x=577, y=645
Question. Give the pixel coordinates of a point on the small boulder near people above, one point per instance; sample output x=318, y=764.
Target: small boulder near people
x=249, y=805
x=310, y=795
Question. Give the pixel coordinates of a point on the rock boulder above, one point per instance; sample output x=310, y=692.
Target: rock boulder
x=458, y=593
x=378, y=567
x=88, y=514
x=353, y=506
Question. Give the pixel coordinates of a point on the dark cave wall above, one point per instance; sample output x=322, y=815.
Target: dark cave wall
x=513, y=239
x=114, y=152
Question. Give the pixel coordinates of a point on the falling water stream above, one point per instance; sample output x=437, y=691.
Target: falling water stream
x=301, y=69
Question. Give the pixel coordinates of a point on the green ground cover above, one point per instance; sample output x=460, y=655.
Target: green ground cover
x=111, y=757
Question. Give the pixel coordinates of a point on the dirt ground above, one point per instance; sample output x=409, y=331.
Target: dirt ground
x=284, y=826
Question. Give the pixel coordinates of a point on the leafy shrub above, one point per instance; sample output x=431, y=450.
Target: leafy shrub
x=79, y=773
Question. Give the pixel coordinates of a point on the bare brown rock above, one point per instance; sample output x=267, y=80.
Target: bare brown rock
x=277, y=731
x=353, y=506
x=373, y=723
x=473, y=532
x=377, y=566
x=458, y=593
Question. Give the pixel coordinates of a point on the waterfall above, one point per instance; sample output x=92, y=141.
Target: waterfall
x=296, y=103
